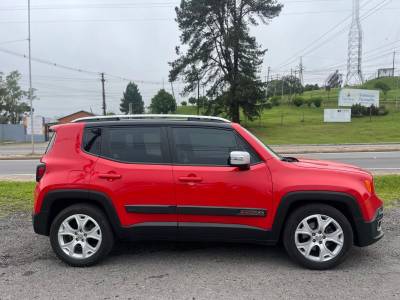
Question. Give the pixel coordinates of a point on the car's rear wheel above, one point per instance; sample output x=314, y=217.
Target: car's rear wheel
x=81, y=236
x=317, y=236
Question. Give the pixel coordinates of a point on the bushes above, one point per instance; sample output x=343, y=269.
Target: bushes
x=275, y=101
x=357, y=111
x=298, y=101
x=316, y=102
x=267, y=105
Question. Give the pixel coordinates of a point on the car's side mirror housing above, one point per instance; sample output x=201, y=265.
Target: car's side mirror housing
x=240, y=159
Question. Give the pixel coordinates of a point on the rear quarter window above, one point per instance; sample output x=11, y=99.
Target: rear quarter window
x=51, y=142
x=92, y=140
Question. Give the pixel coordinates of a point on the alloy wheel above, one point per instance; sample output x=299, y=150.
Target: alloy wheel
x=79, y=236
x=319, y=238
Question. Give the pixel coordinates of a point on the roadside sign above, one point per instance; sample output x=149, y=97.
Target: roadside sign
x=367, y=98
x=37, y=125
x=337, y=115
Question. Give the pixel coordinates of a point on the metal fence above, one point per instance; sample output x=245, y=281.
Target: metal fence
x=17, y=133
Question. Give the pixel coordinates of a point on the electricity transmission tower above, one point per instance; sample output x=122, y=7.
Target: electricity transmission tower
x=354, y=71
x=301, y=70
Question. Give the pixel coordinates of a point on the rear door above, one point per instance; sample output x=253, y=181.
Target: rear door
x=215, y=200
x=134, y=170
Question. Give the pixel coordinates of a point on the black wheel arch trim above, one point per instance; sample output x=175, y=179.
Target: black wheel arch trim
x=326, y=197
x=42, y=220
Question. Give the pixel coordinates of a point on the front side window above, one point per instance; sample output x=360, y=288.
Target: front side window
x=134, y=145
x=206, y=146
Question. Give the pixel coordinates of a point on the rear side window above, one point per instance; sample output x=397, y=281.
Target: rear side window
x=134, y=144
x=92, y=140
x=51, y=142
x=207, y=146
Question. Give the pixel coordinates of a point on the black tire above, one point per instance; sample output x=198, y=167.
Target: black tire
x=298, y=216
x=107, y=237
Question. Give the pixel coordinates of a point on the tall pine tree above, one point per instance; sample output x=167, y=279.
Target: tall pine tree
x=132, y=97
x=221, y=53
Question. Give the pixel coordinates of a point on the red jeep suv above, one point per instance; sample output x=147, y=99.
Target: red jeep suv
x=191, y=178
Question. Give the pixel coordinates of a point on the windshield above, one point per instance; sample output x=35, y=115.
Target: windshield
x=272, y=152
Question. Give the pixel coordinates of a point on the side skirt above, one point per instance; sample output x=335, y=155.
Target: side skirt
x=211, y=232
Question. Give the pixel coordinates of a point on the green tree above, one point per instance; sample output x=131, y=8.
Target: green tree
x=193, y=100
x=287, y=85
x=311, y=87
x=380, y=85
x=132, y=97
x=222, y=53
x=12, y=106
x=184, y=103
x=163, y=103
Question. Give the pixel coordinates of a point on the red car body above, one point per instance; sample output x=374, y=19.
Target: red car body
x=253, y=204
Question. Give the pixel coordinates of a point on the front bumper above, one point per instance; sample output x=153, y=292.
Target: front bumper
x=370, y=232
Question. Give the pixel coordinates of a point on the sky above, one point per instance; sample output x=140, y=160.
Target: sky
x=135, y=40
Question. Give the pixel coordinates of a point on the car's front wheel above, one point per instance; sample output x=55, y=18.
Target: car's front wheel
x=318, y=236
x=80, y=235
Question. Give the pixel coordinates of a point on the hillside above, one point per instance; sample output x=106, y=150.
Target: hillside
x=288, y=124
x=331, y=97
x=392, y=82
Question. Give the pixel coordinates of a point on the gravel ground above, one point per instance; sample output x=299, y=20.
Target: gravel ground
x=29, y=269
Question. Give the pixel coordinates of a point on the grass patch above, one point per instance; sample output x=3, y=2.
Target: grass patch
x=388, y=188
x=303, y=125
x=18, y=196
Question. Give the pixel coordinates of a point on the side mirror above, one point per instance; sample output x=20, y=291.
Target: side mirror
x=240, y=159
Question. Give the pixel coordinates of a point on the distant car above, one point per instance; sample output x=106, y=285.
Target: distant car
x=190, y=178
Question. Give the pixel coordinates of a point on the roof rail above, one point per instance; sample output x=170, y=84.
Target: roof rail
x=151, y=116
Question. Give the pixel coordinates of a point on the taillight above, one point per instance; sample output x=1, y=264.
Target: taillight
x=40, y=170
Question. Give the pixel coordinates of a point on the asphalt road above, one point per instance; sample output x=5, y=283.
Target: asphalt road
x=388, y=162
x=30, y=270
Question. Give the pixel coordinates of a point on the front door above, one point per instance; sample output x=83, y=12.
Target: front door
x=215, y=200
x=135, y=172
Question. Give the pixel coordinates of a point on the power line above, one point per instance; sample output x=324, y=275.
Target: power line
x=74, y=69
x=306, y=49
x=46, y=62
x=14, y=41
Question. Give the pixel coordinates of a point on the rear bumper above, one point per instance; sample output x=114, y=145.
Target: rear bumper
x=39, y=222
x=370, y=232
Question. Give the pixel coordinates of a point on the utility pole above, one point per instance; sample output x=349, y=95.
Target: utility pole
x=301, y=69
x=30, y=76
x=267, y=82
x=172, y=90
x=130, y=109
x=104, y=94
x=198, y=96
x=394, y=60
x=277, y=79
x=290, y=84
